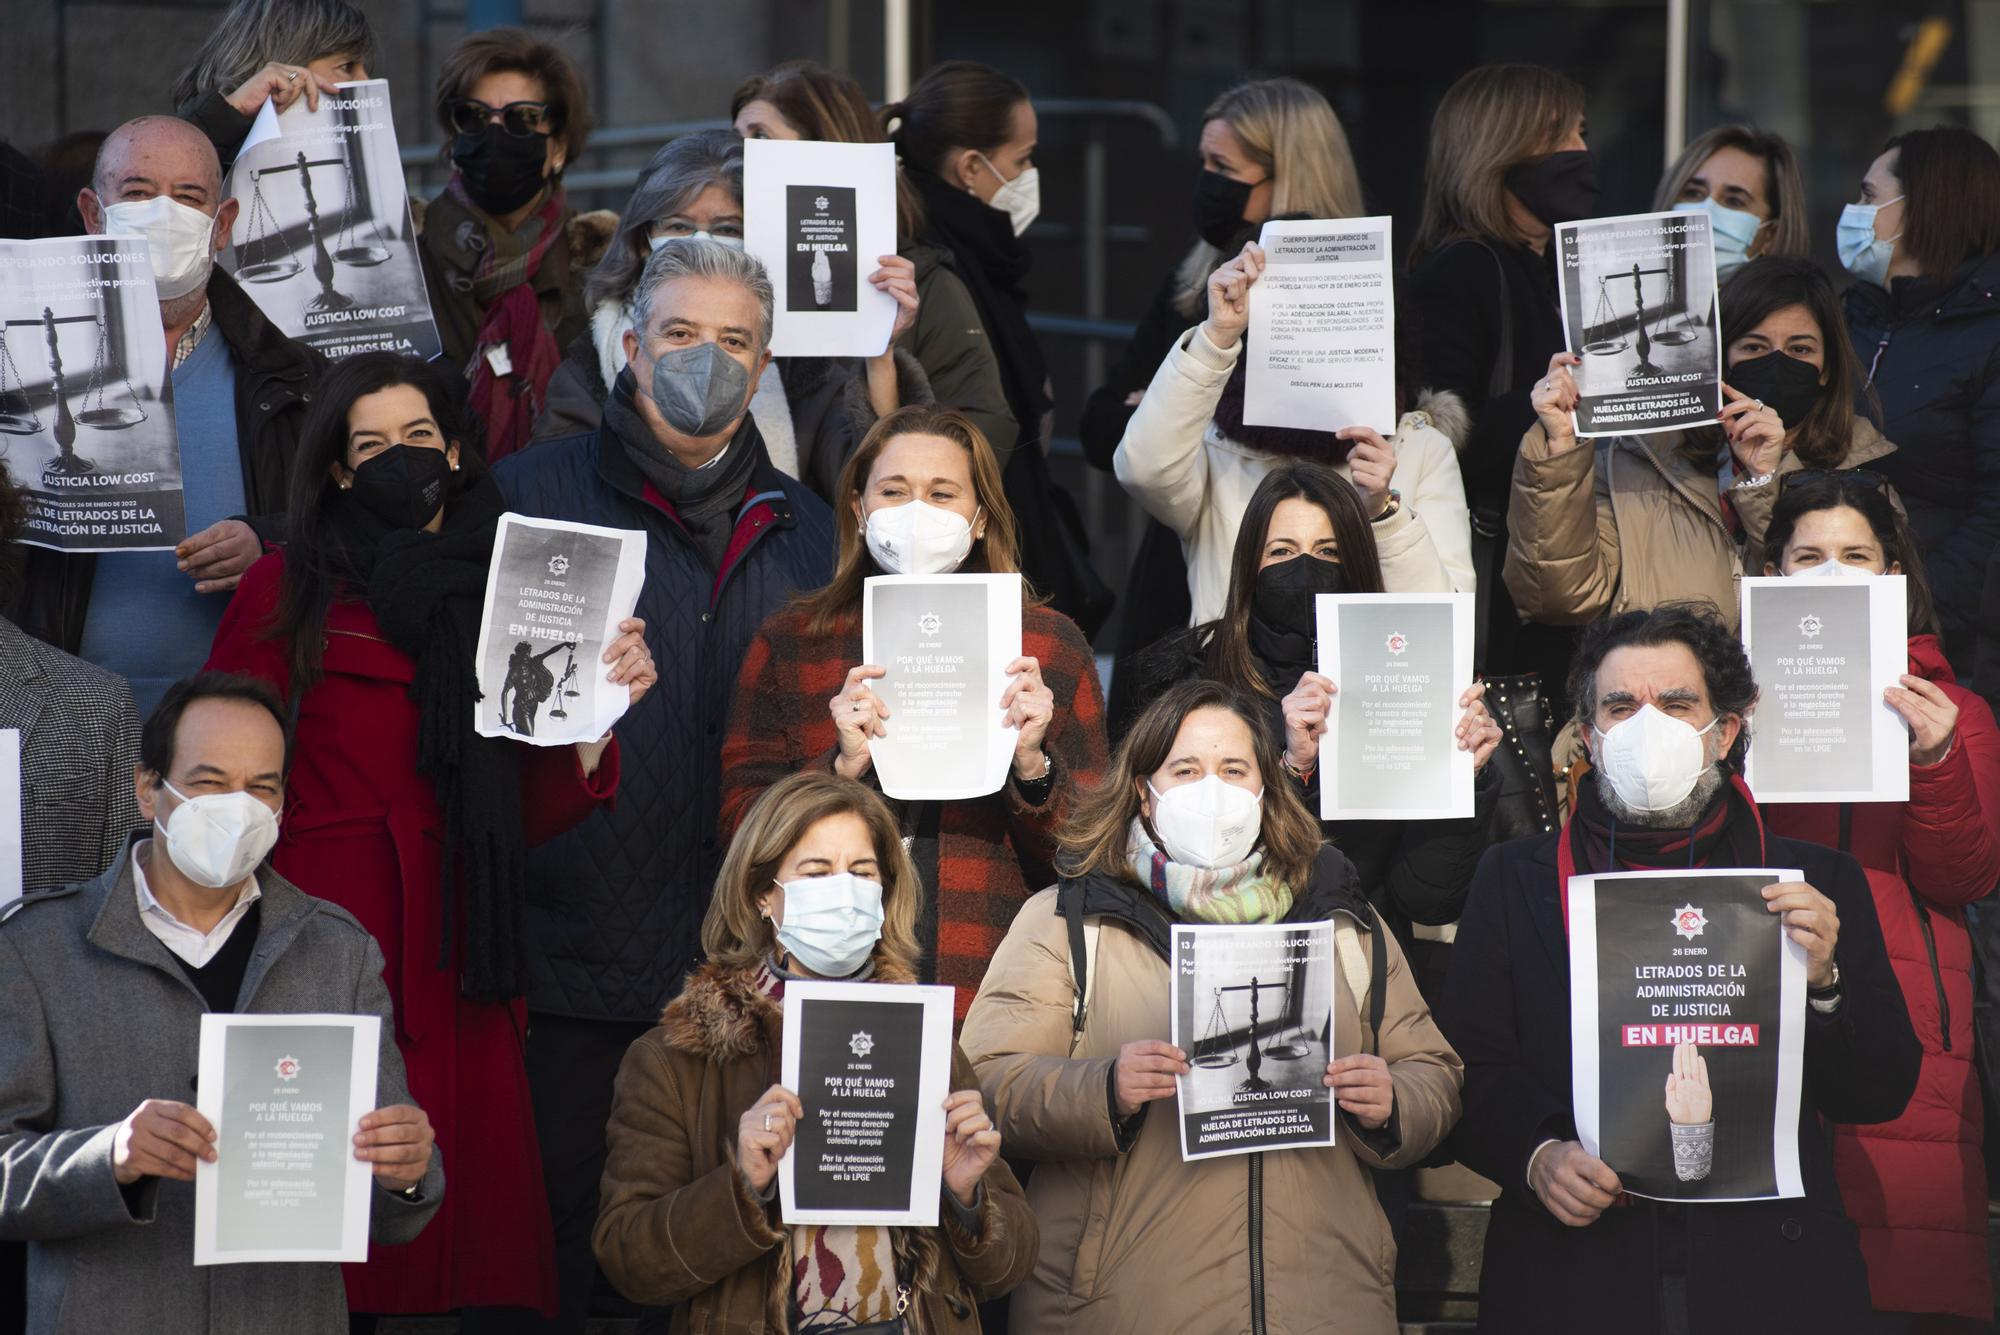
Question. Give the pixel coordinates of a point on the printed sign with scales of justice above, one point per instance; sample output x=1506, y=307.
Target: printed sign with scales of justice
x=1674, y=331
x=1214, y=1050
x=17, y=413
x=267, y=260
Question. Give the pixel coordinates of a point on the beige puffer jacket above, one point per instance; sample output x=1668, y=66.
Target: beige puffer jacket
x=1134, y=1240
x=1632, y=524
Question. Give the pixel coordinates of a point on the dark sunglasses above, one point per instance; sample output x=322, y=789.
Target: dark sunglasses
x=1808, y=477
x=519, y=119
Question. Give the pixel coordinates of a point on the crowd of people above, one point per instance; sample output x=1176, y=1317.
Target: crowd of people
x=252, y=780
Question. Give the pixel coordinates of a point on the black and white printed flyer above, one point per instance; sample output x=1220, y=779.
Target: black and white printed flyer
x=86, y=399
x=871, y=1065
x=821, y=216
x=1638, y=306
x=1687, y=1032
x=1399, y=662
x=944, y=643
x=1321, y=346
x=1253, y=1010
x=1823, y=650
x=286, y=1095
x=323, y=239
x=555, y=593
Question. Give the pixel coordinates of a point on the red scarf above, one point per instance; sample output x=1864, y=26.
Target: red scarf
x=509, y=404
x=1729, y=834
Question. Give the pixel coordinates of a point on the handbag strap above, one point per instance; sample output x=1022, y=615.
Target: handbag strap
x=1502, y=378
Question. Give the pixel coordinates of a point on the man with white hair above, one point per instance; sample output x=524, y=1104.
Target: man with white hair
x=615, y=905
x=241, y=389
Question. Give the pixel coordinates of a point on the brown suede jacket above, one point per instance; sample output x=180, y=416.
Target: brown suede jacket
x=679, y=1223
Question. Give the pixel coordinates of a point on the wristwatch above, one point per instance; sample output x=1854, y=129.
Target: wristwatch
x=1826, y=1000
x=1395, y=504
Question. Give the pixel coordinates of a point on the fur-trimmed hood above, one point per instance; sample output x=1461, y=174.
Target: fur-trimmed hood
x=721, y=1015
x=1445, y=413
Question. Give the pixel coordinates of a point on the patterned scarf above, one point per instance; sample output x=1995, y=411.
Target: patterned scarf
x=1238, y=894
x=503, y=285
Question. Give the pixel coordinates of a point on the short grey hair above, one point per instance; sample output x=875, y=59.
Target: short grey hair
x=667, y=185
x=251, y=33
x=692, y=257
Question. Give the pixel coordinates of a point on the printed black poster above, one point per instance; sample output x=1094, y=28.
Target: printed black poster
x=1687, y=1007
x=822, y=272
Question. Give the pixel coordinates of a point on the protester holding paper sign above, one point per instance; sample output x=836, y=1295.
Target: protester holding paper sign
x=1664, y=696
x=401, y=813
x=816, y=885
x=270, y=51
x=923, y=497
x=1747, y=181
x=1634, y=521
x=1916, y=1185
x=1194, y=825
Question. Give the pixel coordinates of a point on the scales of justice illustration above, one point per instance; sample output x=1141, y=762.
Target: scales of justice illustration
x=266, y=258
x=1215, y=1050
x=18, y=416
x=1672, y=331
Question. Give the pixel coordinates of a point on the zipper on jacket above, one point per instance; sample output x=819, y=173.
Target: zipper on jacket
x=1937, y=974
x=1256, y=1243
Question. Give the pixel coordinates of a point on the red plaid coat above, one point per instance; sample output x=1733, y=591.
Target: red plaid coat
x=992, y=851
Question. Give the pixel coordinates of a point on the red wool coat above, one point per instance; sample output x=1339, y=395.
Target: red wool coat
x=992, y=851
x=1917, y=1185
x=361, y=828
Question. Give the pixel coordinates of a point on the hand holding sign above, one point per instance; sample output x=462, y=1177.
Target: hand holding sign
x=898, y=278
x=217, y=556
x=1029, y=705
x=1811, y=921
x=1372, y=465
x=1305, y=711
x=1229, y=296
x=857, y=714
x=1573, y=1184
x=1932, y=717
x=161, y=1139
x=1756, y=434
x=1555, y=398
x=397, y=1140
x=1476, y=731
x=971, y=1144
x=764, y=1134
x=631, y=661
x=1363, y=1088
x=1144, y=1071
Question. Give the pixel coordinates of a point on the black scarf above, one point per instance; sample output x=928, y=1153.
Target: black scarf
x=705, y=499
x=1287, y=442
x=426, y=591
x=1729, y=833
x=994, y=264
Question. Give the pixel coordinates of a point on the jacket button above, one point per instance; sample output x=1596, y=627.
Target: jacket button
x=1792, y=1230
x=707, y=616
x=263, y=407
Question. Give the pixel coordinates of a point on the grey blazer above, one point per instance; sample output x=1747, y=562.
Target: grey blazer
x=96, y=1017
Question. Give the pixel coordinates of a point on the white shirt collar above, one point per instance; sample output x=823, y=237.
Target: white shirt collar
x=188, y=943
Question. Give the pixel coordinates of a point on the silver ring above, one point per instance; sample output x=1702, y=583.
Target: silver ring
x=767, y=1121
x=1758, y=402
x=291, y=76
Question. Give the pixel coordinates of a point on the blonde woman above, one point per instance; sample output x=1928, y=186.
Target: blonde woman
x=815, y=885
x=1187, y=455
x=1747, y=181
x=1072, y=1053
x=1507, y=163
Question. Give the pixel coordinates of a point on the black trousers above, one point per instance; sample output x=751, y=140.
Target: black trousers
x=572, y=1064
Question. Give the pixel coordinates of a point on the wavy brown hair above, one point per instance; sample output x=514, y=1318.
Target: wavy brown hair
x=829, y=107
x=1786, y=231
x=1494, y=117
x=997, y=553
x=736, y=936
x=1229, y=658
x=1098, y=834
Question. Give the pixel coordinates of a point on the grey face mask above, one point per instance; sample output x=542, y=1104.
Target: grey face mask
x=699, y=390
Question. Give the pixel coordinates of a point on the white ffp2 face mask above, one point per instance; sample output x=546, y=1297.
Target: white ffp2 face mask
x=1020, y=199
x=916, y=538
x=217, y=839
x=831, y=923
x=1208, y=823
x=1834, y=570
x=181, y=240
x=1652, y=760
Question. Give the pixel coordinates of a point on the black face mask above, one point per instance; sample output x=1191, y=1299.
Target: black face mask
x=1283, y=598
x=501, y=171
x=1784, y=383
x=1218, y=208
x=1557, y=187
x=404, y=485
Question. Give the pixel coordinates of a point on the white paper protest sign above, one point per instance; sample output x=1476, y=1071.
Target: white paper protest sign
x=1399, y=662
x=1823, y=650
x=286, y=1095
x=555, y=593
x=821, y=216
x=944, y=642
x=1321, y=346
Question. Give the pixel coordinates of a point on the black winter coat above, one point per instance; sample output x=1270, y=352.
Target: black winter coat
x=1935, y=349
x=275, y=377
x=615, y=905
x=1753, y=1267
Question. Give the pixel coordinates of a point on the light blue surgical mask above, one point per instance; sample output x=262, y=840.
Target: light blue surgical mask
x=1732, y=229
x=1861, y=252
x=831, y=923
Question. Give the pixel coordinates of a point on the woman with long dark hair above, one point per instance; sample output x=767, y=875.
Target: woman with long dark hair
x=1916, y=1186
x=367, y=621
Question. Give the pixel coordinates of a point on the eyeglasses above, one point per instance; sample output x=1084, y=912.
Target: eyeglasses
x=519, y=119
x=1808, y=477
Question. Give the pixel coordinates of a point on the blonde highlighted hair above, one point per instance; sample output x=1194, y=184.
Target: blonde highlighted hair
x=1787, y=231
x=1494, y=117
x=736, y=935
x=1289, y=130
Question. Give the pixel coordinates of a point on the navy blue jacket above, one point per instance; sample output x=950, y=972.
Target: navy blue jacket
x=615, y=905
x=1752, y=1267
x=1935, y=348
